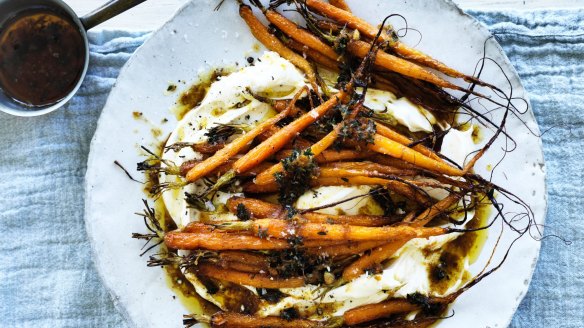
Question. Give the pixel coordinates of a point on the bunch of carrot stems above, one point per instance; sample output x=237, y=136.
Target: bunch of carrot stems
x=390, y=160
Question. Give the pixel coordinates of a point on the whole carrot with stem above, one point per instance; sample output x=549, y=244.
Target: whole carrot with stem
x=331, y=155
x=332, y=232
x=238, y=320
x=216, y=240
x=245, y=278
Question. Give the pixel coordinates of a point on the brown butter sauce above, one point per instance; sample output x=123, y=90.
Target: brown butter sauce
x=42, y=56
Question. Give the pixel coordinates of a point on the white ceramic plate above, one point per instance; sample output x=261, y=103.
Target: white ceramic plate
x=198, y=39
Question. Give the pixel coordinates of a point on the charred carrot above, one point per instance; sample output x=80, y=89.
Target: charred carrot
x=399, y=65
x=371, y=312
x=341, y=4
x=237, y=320
x=344, y=249
x=283, y=136
x=339, y=232
x=312, y=54
x=245, y=278
x=370, y=31
x=260, y=209
x=299, y=34
x=371, y=259
x=329, y=156
x=271, y=42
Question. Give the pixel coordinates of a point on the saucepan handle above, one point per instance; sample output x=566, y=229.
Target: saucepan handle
x=110, y=9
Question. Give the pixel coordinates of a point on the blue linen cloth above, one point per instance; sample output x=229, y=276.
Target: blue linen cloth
x=47, y=278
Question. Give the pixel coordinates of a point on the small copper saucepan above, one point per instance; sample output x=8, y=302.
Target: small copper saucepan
x=44, y=52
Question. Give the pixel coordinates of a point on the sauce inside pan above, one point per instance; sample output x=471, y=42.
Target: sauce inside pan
x=42, y=56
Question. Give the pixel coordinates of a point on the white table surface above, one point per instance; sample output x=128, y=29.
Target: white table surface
x=151, y=14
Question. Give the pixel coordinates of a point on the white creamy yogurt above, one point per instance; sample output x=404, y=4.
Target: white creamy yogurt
x=332, y=194
x=457, y=145
x=402, y=110
x=228, y=101
x=407, y=273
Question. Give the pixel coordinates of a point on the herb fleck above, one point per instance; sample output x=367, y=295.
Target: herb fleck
x=242, y=212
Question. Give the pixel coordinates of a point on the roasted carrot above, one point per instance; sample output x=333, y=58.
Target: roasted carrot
x=186, y=166
x=398, y=137
x=357, y=220
x=341, y=4
x=330, y=155
x=191, y=234
x=256, y=208
x=235, y=146
x=336, y=172
x=269, y=132
x=281, y=105
x=371, y=259
x=370, y=31
x=298, y=143
x=244, y=257
x=206, y=148
x=421, y=58
x=230, y=241
x=371, y=312
x=323, y=144
x=299, y=34
x=283, y=136
x=244, y=278
x=344, y=17
x=392, y=148
x=440, y=207
x=371, y=166
x=405, y=188
x=392, y=161
x=237, y=320
x=261, y=209
x=271, y=42
x=399, y=65
x=221, y=241
x=339, y=232
x=267, y=176
x=312, y=54
x=329, y=26
x=199, y=227
x=344, y=249
x=240, y=266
